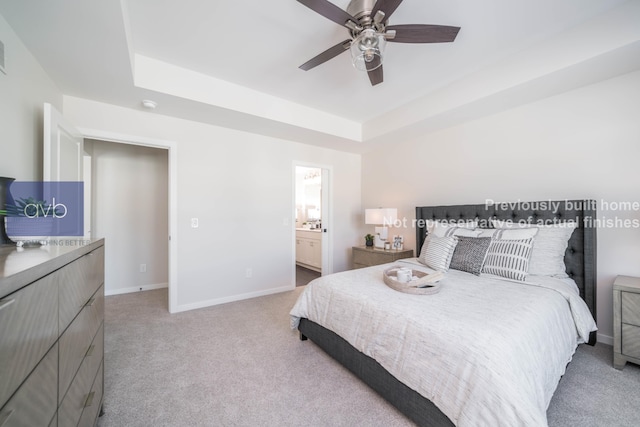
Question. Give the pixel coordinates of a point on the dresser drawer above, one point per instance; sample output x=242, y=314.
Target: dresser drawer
x=34, y=403
x=631, y=340
x=77, y=339
x=92, y=408
x=370, y=257
x=79, y=395
x=630, y=308
x=28, y=328
x=78, y=281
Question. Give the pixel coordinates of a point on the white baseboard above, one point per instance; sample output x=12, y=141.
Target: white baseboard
x=108, y=292
x=605, y=339
x=217, y=301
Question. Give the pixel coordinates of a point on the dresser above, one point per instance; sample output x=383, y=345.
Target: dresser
x=364, y=256
x=52, y=334
x=626, y=321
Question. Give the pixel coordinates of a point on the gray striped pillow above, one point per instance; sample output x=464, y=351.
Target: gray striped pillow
x=436, y=252
x=508, y=258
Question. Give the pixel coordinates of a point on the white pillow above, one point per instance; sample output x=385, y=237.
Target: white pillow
x=549, y=246
x=436, y=252
x=509, y=233
x=442, y=229
x=508, y=258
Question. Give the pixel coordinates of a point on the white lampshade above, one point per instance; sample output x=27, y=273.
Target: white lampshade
x=384, y=216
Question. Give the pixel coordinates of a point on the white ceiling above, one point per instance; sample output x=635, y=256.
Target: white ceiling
x=244, y=56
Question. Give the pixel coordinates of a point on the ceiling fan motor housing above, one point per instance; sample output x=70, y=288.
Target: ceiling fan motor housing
x=360, y=8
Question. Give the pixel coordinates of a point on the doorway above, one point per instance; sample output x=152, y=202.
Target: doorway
x=170, y=147
x=311, y=225
x=134, y=179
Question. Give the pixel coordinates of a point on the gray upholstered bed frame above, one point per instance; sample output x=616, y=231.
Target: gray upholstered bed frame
x=580, y=260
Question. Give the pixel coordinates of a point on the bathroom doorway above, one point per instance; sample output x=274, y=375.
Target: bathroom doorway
x=311, y=218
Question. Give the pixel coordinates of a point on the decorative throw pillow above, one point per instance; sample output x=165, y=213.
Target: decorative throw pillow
x=469, y=254
x=509, y=258
x=436, y=252
x=549, y=246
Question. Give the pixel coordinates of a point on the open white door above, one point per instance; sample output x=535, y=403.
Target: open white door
x=63, y=148
x=63, y=154
x=327, y=259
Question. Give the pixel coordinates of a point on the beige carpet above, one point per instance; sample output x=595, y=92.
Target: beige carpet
x=239, y=364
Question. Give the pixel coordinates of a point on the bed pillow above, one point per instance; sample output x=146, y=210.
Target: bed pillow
x=436, y=252
x=508, y=258
x=442, y=228
x=549, y=246
x=509, y=233
x=470, y=254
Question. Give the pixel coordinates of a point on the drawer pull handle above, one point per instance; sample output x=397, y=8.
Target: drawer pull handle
x=6, y=303
x=5, y=417
x=90, y=351
x=89, y=401
x=90, y=302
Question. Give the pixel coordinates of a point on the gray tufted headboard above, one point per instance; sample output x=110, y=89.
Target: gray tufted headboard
x=580, y=257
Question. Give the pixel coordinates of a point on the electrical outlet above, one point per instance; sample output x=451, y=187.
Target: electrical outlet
x=143, y=268
x=248, y=273
x=194, y=223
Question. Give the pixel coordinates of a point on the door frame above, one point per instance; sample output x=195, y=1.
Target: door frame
x=172, y=152
x=326, y=214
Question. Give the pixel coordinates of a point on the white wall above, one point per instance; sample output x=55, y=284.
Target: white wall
x=130, y=210
x=240, y=186
x=581, y=144
x=23, y=91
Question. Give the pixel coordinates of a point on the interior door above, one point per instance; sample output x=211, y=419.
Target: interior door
x=63, y=154
x=63, y=148
x=327, y=259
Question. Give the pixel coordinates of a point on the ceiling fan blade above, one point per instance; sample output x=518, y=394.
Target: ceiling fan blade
x=387, y=6
x=328, y=54
x=329, y=11
x=422, y=33
x=375, y=75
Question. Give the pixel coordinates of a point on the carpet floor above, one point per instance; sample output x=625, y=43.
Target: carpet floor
x=239, y=364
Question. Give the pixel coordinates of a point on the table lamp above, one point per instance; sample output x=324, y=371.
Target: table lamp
x=380, y=216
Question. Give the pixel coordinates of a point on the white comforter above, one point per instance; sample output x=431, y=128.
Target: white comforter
x=485, y=351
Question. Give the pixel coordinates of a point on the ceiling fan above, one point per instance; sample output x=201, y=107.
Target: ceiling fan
x=367, y=22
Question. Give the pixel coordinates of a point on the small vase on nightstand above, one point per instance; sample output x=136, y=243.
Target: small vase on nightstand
x=368, y=239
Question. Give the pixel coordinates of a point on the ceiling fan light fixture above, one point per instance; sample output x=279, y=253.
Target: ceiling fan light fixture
x=365, y=48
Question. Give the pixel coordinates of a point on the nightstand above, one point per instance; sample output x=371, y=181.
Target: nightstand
x=366, y=257
x=626, y=321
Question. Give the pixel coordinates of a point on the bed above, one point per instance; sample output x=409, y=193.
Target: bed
x=507, y=377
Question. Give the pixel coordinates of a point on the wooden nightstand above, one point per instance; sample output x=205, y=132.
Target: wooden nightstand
x=366, y=257
x=626, y=321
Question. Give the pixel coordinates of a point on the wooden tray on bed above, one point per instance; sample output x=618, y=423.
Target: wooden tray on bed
x=421, y=284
